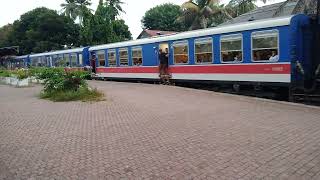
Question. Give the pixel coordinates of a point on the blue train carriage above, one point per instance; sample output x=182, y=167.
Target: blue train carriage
x=256, y=52
x=22, y=61
x=74, y=58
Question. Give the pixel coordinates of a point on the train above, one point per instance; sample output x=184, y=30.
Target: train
x=278, y=54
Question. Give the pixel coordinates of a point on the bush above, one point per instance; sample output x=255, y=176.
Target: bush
x=61, y=85
x=45, y=73
x=5, y=73
x=56, y=80
x=82, y=94
x=22, y=74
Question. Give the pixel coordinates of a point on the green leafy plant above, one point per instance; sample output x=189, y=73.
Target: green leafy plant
x=5, y=73
x=22, y=74
x=82, y=94
x=61, y=85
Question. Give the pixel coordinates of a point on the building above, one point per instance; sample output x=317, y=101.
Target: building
x=285, y=8
x=146, y=33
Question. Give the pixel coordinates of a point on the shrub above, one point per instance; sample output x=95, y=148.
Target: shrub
x=82, y=94
x=45, y=73
x=5, y=73
x=57, y=80
x=22, y=74
x=60, y=85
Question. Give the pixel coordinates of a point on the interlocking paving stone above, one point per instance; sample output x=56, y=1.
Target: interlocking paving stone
x=145, y=131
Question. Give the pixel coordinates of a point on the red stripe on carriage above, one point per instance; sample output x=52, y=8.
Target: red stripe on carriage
x=210, y=69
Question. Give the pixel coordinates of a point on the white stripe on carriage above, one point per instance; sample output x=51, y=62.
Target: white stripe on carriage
x=282, y=78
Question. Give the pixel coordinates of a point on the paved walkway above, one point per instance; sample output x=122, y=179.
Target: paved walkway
x=148, y=131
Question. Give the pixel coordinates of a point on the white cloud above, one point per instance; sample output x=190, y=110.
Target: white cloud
x=135, y=9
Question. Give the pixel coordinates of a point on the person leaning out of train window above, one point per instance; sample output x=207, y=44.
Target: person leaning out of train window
x=274, y=56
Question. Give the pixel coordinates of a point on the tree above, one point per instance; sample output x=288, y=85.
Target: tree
x=163, y=17
x=43, y=30
x=100, y=28
x=115, y=8
x=121, y=31
x=197, y=13
x=70, y=9
x=4, y=34
x=237, y=7
x=76, y=9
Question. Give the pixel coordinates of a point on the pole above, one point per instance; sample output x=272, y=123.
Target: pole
x=318, y=11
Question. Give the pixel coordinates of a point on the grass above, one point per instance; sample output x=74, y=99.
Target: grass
x=82, y=94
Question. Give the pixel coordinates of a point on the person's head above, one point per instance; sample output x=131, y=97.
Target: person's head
x=160, y=50
x=93, y=55
x=167, y=50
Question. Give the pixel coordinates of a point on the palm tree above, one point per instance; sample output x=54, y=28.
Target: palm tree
x=115, y=8
x=237, y=7
x=76, y=9
x=83, y=9
x=70, y=9
x=196, y=14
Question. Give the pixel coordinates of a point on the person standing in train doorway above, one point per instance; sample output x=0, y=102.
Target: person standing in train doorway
x=166, y=62
x=93, y=62
x=162, y=59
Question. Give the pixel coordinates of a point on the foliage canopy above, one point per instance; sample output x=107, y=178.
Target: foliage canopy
x=163, y=17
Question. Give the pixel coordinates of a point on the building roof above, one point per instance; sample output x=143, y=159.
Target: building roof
x=274, y=10
x=146, y=33
x=286, y=8
x=8, y=51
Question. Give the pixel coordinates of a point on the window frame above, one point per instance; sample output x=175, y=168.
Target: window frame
x=97, y=56
x=80, y=59
x=231, y=36
x=123, y=50
x=66, y=55
x=205, y=39
x=263, y=32
x=76, y=56
x=115, y=57
x=178, y=43
x=133, y=49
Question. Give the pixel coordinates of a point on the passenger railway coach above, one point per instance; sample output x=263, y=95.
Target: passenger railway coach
x=257, y=51
x=274, y=52
x=77, y=57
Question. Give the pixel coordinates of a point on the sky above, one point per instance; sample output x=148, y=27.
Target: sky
x=10, y=10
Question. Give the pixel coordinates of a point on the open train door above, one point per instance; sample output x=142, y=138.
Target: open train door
x=164, y=63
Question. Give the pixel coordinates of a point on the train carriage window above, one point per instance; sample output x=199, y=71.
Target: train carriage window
x=43, y=61
x=231, y=48
x=137, y=56
x=54, y=60
x=181, y=52
x=101, y=58
x=112, y=57
x=60, y=61
x=66, y=60
x=80, y=60
x=34, y=61
x=123, y=52
x=203, y=50
x=74, y=60
x=265, y=46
